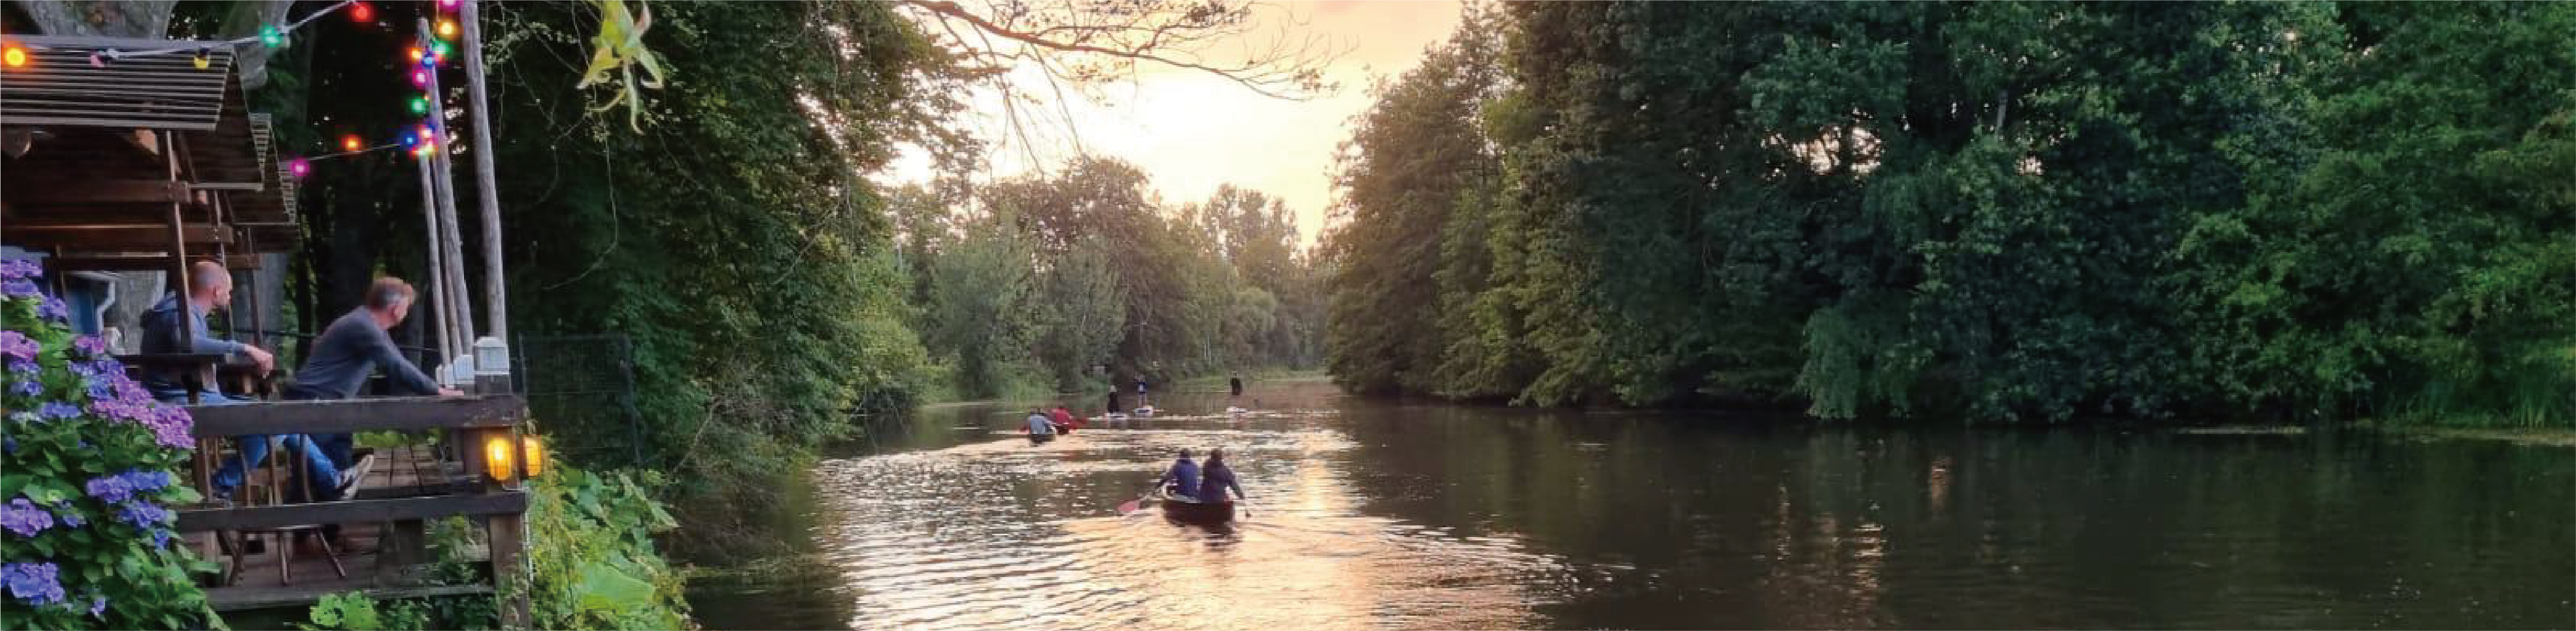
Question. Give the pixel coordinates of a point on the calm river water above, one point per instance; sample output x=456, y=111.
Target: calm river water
x=1371, y=514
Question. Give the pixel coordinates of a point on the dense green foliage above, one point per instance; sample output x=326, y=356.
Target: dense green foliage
x=1031, y=283
x=87, y=475
x=2014, y=210
x=590, y=542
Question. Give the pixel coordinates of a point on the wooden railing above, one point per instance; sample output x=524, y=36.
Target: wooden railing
x=465, y=492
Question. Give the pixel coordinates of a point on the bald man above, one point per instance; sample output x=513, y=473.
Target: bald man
x=210, y=287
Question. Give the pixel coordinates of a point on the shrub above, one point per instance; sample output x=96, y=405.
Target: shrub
x=86, y=470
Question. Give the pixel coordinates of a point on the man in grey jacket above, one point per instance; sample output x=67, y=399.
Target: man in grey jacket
x=210, y=287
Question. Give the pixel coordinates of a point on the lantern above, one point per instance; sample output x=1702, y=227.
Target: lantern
x=496, y=456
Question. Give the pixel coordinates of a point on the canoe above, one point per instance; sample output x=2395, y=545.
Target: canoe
x=1189, y=511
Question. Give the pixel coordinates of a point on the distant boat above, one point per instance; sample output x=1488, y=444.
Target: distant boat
x=1145, y=411
x=1235, y=410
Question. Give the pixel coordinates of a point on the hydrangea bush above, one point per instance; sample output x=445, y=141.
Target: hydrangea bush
x=86, y=461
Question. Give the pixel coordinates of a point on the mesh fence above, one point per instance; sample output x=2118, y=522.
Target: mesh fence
x=581, y=390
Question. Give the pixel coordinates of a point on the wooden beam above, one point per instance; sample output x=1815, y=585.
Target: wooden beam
x=353, y=511
x=105, y=192
x=118, y=237
x=154, y=263
x=358, y=415
x=305, y=594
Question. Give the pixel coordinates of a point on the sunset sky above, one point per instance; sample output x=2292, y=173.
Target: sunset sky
x=1192, y=131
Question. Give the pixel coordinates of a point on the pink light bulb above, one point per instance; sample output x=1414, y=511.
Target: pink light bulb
x=420, y=78
x=299, y=167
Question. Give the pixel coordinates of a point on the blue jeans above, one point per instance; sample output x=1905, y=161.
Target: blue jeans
x=319, y=468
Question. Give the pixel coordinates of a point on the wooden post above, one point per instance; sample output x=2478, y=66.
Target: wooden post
x=495, y=300
x=507, y=534
x=449, y=239
x=437, y=280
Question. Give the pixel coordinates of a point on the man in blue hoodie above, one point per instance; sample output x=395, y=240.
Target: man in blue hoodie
x=1182, y=480
x=210, y=287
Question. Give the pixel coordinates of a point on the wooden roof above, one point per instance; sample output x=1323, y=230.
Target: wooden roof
x=96, y=178
x=60, y=86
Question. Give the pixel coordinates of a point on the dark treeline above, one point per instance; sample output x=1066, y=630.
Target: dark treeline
x=2010, y=211
x=1030, y=285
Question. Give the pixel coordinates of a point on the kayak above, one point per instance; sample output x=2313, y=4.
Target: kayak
x=1188, y=511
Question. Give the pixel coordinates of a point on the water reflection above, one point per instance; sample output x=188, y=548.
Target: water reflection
x=1375, y=515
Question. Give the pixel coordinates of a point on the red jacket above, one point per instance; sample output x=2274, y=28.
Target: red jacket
x=1063, y=418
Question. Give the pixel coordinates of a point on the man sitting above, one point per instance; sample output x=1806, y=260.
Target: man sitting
x=1182, y=480
x=210, y=287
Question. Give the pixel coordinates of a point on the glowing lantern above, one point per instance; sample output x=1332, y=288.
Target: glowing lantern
x=14, y=56
x=536, y=454
x=496, y=457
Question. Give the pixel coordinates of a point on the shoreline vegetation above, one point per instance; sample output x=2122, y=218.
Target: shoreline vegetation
x=2354, y=210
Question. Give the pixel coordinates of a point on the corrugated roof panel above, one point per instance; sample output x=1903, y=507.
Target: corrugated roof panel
x=60, y=85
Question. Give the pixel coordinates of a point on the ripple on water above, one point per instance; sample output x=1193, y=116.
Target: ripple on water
x=1001, y=534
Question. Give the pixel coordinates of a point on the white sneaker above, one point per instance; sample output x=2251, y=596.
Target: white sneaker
x=357, y=472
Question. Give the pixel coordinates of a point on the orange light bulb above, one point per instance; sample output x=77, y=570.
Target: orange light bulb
x=348, y=143
x=15, y=57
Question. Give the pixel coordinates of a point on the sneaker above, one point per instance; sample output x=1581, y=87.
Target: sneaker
x=357, y=472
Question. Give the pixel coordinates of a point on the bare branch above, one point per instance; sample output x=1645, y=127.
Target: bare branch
x=1116, y=34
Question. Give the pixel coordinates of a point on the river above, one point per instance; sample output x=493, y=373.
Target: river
x=1370, y=514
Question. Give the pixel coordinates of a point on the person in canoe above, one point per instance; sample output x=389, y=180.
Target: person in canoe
x=1041, y=429
x=1215, y=478
x=1182, y=480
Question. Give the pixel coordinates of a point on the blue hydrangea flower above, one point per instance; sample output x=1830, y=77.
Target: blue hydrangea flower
x=29, y=388
x=16, y=288
x=161, y=537
x=98, y=607
x=73, y=519
x=58, y=410
x=142, y=514
x=110, y=489
x=24, y=518
x=36, y=583
x=54, y=309
x=22, y=366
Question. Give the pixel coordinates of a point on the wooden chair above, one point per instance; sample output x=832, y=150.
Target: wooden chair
x=284, y=470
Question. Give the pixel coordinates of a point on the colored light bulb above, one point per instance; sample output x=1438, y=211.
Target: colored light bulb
x=202, y=61
x=447, y=29
x=410, y=139
x=420, y=105
x=438, y=50
x=298, y=167
x=420, y=78
x=360, y=12
x=349, y=143
x=446, y=4
x=14, y=56
x=269, y=35
x=415, y=53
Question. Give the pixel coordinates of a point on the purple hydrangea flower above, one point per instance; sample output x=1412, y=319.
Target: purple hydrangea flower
x=98, y=607
x=161, y=537
x=73, y=519
x=25, y=518
x=36, y=583
x=29, y=388
x=53, y=309
x=110, y=489
x=101, y=390
x=16, y=288
x=19, y=269
x=91, y=345
x=22, y=366
x=15, y=344
x=58, y=410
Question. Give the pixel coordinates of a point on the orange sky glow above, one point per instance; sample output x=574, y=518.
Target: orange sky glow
x=1191, y=131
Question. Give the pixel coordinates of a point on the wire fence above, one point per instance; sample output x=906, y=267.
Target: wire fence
x=580, y=390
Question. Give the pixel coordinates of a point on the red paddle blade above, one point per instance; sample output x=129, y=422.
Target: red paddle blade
x=1130, y=506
